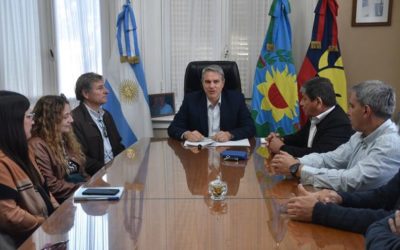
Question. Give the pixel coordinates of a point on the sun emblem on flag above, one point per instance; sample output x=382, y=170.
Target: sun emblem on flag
x=128, y=91
x=280, y=94
x=336, y=74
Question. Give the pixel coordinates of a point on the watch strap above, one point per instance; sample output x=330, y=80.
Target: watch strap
x=294, y=169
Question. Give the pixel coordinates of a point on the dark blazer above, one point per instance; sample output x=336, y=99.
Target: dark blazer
x=334, y=130
x=380, y=236
x=360, y=209
x=235, y=116
x=91, y=140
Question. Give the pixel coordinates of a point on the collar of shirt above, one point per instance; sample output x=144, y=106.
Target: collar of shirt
x=317, y=119
x=209, y=104
x=377, y=132
x=95, y=114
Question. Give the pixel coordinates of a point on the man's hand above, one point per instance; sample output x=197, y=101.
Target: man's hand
x=394, y=223
x=324, y=196
x=301, y=191
x=329, y=196
x=275, y=142
x=222, y=136
x=281, y=162
x=301, y=208
x=193, y=136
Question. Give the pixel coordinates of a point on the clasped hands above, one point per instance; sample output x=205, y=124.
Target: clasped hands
x=274, y=142
x=301, y=207
x=281, y=162
x=196, y=136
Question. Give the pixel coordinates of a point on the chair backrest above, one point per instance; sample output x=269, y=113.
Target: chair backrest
x=192, y=80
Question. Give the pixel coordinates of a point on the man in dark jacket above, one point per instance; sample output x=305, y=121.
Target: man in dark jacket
x=327, y=128
x=212, y=112
x=347, y=211
x=94, y=126
x=384, y=234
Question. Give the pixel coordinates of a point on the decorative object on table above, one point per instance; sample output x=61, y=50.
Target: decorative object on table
x=372, y=12
x=217, y=189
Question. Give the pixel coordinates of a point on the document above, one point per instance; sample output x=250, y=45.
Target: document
x=98, y=193
x=263, y=140
x=210, y=142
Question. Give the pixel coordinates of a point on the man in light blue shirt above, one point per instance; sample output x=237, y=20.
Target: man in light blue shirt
x=368, y=160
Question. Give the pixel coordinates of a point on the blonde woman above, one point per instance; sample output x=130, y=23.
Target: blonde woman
x=57, y=151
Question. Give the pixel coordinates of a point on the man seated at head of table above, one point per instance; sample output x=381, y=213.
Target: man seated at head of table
x=212, y=112
x=368, y=160
x=328, y=126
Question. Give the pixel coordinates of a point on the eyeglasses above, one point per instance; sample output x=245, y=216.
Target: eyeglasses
x=30, y=115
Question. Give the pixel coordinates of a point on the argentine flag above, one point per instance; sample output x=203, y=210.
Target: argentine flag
x=125, y=80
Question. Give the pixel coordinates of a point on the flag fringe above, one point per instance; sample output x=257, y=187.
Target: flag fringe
x=130, y=59
x=315, y=45
x=333, y=48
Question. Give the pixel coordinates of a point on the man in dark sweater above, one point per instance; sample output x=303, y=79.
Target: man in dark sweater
x=347, y=211
x=384, y=234
x=327, y=128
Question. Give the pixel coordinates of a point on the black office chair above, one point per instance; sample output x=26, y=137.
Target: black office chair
x=192, y=80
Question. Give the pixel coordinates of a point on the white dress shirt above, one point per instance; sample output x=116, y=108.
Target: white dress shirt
x=362, y=163
x=313, y=128
x=214, y=115
x=97, y=117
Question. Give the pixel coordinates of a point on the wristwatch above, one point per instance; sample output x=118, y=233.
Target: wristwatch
x=294, y=168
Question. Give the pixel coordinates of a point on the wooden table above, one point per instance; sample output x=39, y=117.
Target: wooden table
x=166, y=206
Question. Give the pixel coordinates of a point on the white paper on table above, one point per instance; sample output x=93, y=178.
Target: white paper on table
x=204, y=142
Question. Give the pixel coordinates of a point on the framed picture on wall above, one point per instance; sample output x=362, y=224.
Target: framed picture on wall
x=372, y=12
x=162, y=104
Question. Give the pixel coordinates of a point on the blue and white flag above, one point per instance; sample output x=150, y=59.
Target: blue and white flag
x=125, y=80
x=275, y=105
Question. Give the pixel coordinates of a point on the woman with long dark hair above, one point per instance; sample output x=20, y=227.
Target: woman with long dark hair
x=57, y=152
x=25, y=201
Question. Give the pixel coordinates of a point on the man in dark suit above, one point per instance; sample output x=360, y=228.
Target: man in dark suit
x=221, y=115
x=327, y=128
x=94, y=126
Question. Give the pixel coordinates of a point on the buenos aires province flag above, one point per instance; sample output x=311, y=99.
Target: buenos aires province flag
x=275, y=106
x=126, y=82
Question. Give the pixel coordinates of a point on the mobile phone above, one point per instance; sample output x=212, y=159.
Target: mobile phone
x=100, y=191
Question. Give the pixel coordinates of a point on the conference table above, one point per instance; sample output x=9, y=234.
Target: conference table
x=166, y=205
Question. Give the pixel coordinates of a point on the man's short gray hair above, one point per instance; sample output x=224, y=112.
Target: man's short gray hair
x=379, y=96
x=214, y=68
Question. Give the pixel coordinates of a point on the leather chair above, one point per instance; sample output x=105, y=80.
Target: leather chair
x=192, y=80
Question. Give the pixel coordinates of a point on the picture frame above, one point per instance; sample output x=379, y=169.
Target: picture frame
x=372, y=12
x=162, y=104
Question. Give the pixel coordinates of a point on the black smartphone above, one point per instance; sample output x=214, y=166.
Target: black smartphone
x=100, y=191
